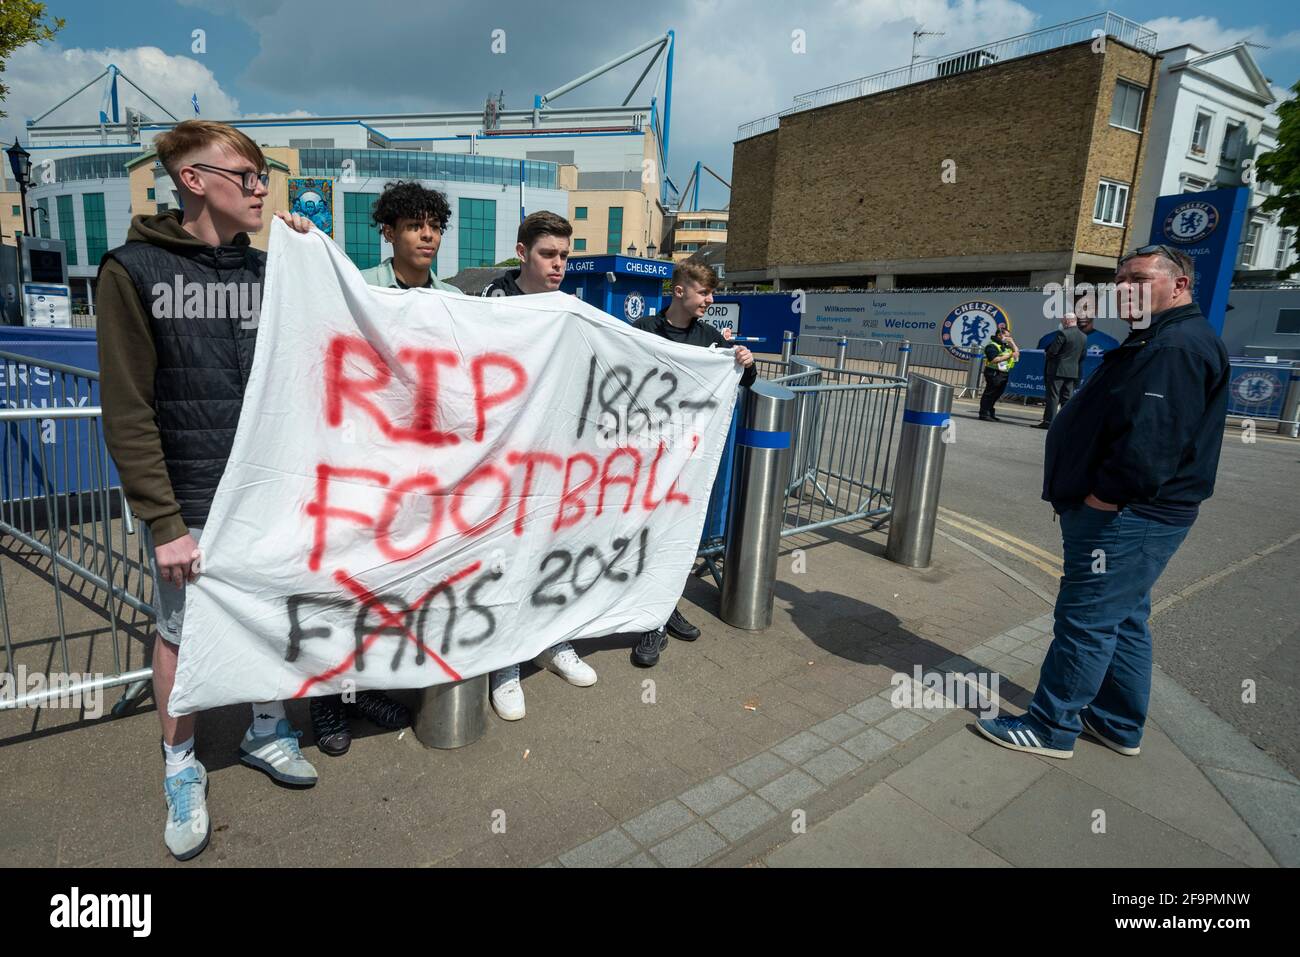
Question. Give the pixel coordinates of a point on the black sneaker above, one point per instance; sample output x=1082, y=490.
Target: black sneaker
x=1043, y=425
x=377, y=708
x=679, y=627
x=646, y=652
x=329, y=722
x=985, y=417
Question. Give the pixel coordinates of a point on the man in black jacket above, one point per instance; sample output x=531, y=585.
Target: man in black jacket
x=682, y=321
x=1128, y=461
x=1063, y=362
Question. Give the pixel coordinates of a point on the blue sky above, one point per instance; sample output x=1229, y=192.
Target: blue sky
x=330, y=56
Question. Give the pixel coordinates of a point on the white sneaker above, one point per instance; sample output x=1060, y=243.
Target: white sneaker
x=507, y=693
x=564, y=661
x=188, y=826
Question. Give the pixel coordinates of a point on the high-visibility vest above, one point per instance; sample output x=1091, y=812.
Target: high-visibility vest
x=1005, y=360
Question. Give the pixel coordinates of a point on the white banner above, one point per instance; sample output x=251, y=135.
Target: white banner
x=426, y=486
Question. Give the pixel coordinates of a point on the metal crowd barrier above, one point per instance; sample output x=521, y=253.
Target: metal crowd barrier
x=879, y=356
x=62, y=519
x=842, y=443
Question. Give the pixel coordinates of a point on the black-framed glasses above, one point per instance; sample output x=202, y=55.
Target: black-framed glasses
x=1157, y=249
x=249, y=178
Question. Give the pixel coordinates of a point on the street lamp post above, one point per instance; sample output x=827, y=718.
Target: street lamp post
x=651, y=250
x=631, y=249
x=20, y=161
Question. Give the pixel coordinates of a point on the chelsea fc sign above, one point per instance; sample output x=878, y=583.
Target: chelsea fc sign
x=1191, y=222
x=970, y=327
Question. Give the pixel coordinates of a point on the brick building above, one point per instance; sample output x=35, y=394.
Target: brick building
x=1013, y=164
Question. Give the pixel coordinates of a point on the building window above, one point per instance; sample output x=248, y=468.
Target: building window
x=1201, y=133
x=163, y=207
x=1112, y=201
x=580, y=212
x=1192, y=184
x=614, y=239
x=1249, y=243
x=92, y=212
x=478, y=232
x=1126, y=109
x=1283, y=247
x=1288, y=322
x=580, y=245
x=149, y=193
x=67, y=227
x=17, y=212
x=1234, y=141
x=360, y=238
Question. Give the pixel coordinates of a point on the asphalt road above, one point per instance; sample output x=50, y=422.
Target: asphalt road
x=1227, y=630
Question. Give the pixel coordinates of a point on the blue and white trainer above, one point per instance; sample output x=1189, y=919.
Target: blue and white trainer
x=188, y=826
x=1016, y=734
x=1111, y=743
x=278, y=755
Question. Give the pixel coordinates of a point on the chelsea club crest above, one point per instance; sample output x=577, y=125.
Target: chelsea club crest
x=634, y=306
x=970, y=326
x=1191, y=222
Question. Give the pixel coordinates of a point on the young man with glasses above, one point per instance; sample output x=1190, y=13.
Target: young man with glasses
x=172, y=385
x=1129, y=459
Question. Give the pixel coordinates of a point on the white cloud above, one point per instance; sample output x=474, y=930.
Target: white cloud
x=40, y=76
x=1210, y=35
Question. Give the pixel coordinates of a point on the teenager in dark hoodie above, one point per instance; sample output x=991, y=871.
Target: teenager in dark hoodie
x=172, y=380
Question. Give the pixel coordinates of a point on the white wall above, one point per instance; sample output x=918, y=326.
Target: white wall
x=1170, y=162
x=117, y=214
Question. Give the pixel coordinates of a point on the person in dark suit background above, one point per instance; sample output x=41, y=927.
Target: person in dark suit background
x=1062, y=366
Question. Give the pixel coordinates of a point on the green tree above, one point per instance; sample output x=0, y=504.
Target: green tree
x=22, y=22
x=1281, y=167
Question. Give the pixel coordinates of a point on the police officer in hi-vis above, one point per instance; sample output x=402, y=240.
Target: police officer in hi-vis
x=1000, y=355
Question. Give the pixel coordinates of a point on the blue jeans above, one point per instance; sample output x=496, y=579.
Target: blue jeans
x=1100, y=657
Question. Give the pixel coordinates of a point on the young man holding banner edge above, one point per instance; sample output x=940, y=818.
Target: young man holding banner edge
x=683, y=321
x=172, y=385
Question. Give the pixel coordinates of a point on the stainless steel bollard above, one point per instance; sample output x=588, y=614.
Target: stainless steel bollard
x=1289, y=424
x=841, y=351
x=920, y=470
x=758, y=506
x=904, y=354
x=452, y=715
x=787, y=345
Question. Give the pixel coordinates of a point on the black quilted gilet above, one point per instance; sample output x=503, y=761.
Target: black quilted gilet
x=203, y=361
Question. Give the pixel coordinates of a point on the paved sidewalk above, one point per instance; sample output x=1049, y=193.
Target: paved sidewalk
x=710, y=758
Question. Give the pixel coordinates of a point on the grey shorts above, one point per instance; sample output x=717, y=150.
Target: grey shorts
x=169, y=601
